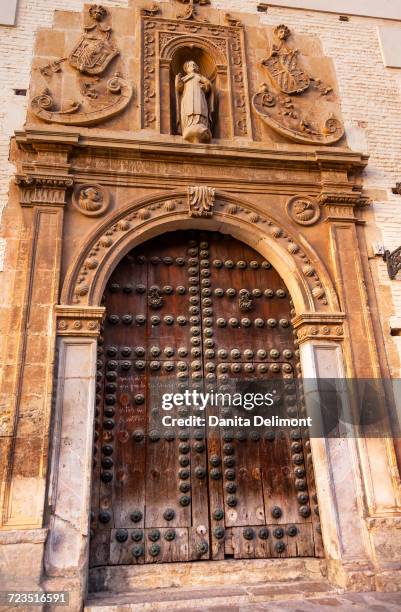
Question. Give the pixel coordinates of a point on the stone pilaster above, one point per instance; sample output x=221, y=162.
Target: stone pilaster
x=69, y=492
x=43, y=189
x=378, y=460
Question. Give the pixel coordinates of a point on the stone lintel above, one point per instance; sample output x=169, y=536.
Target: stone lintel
x=319, y=326
x=78, y=321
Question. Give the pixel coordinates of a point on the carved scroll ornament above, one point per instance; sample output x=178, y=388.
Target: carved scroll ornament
x=294, y=103
x=95, y=98
x=191, y=12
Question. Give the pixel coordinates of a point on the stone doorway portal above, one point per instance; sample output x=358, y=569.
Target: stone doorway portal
x=197, y=311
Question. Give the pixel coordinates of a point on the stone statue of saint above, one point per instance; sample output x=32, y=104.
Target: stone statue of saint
x=195, y=104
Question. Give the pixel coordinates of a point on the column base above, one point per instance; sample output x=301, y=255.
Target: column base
x=21, y=559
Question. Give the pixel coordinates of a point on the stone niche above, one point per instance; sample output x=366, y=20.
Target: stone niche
x=125, y=69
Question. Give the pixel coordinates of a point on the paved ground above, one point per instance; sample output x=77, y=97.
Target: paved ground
x=295, y=597
x=355, y=602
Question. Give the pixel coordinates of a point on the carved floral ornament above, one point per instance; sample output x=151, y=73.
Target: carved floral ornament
x=201, y=201
x=135, y=219
x=96, y=97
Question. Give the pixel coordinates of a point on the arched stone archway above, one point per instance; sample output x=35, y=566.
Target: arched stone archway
x=294, y=259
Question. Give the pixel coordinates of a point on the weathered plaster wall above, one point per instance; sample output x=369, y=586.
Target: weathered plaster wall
x=371, y=103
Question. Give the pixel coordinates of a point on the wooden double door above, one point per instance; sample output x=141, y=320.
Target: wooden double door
x=197, y=311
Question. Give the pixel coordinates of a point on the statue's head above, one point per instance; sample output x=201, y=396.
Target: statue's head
x=190, y=67
x=97, y=12
x=92, y=194
x=282, y=31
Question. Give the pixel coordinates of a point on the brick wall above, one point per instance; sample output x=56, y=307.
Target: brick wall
x=371, y=104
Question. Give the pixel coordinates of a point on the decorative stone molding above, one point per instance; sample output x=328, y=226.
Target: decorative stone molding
x=82, y=278
x=191, y=10
x=152, y=11
x=384, y=522
x=303, y=210
x=73, y=321
x=91, y=200
x=201, y=201
x=322, y=326
x=351, y=199
x=43, y=190
x=232, y=21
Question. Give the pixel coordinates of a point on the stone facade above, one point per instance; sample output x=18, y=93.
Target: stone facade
x=87, y=189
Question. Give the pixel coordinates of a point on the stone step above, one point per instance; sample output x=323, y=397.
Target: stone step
x=224, y=597
x=131, y=578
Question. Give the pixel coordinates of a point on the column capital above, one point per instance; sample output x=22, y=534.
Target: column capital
x=341, y=205
x=43, y=190
x=78, y=321
x=319, y=326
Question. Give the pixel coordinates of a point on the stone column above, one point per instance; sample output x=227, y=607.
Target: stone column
x=165, y=110
x=66, y=554
x=337, y=471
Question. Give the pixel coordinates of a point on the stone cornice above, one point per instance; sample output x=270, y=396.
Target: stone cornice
x=79, y=321
x=319, y=326
x=288, y=156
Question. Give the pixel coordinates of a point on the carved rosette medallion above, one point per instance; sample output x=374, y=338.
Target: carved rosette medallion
x=294, y=103
x=91, y=200
x=303, y=210
x=201, y=201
